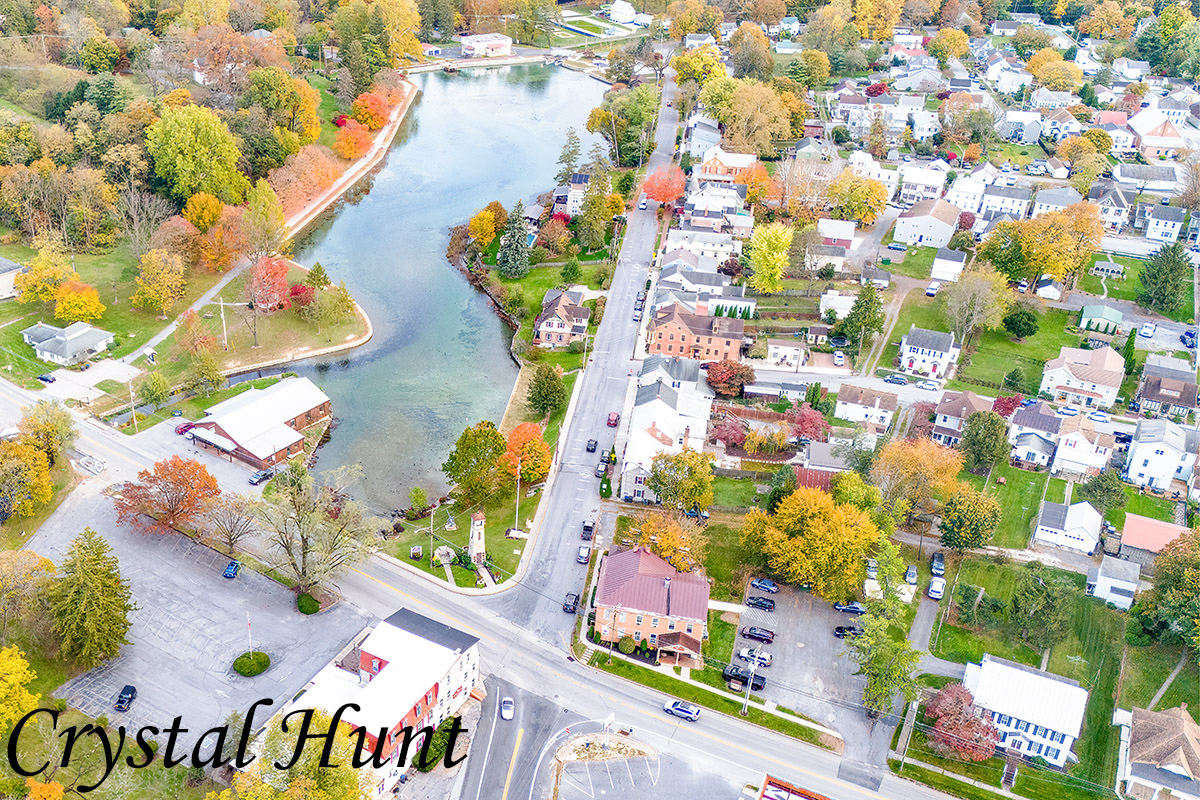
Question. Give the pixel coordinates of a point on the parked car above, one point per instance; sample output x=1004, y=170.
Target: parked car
x=637, y=316
x=872, y=568
x=755, y=655
x=1147, y=330
x=765, y=585
x=896, y=380
x=589, y=527
x=47, y=378
x=1067, y=411
x=910, y=575
x=853, y=607
x=591, y=445
x=1027, y=402
x=937, y=588
x=937, y=563
x=641, y=295
x=584, y=555
x=507, y=706
x=262, y=475
x=639, y=305
x=1123, y=438
x=613, y=419
x=839, y=358
x=1023, y=287
x=1098, y=416
x=742, y=675
x=847, y=631
x=678, y=708
x=125, y=698
x=601, y=468
x=929, y=386
x=761, y=603
x=932, y=289
x=759, y=634
x=571, y=603
x=897, y=246
x=184, y=427
x=232, y=569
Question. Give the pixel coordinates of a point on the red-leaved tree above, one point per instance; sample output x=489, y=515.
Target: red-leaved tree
x=301, y=295
x=731, y=431
x=168, y=496
x=875, y=89
x=807, y=422
x=1005, y=406
x=966, y=221
x=268, y=285
x=961, y=731
x=728, y=377
x=922, y=420
x=666, y=184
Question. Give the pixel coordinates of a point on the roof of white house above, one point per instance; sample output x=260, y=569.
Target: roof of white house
x=256, y=418
x=1061, y=517
x=1027, y=694
x=836, y=228
x=742, y=160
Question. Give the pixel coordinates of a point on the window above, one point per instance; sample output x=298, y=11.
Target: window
x=374, y=665
x=689, y=627
x=1023, y=726
x=1057, y=738
x=653, y=638
x=1051, y=753
x=621, y=617
x=1003, y=719
x=654, y=622
x=1035, y=748
x=1039, y=730
x=670, y=624
x=638, y=621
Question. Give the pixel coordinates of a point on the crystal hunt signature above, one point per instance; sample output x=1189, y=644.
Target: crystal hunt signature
x=112, y=743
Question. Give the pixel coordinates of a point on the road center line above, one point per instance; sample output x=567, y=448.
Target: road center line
x=512, y=763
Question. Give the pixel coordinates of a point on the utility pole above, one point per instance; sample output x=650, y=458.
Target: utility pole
x=224, y=330
x=132, y=406
x=517, y=511
x=749, y=683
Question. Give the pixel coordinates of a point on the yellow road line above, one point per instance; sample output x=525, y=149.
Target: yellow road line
x=457, y=620
x=512, y=763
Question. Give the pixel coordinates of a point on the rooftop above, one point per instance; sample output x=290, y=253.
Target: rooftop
x=1145, y=533
x=1028, y=694
x=639, y=580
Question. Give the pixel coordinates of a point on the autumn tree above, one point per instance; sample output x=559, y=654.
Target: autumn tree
x=1060, y=76
x=471, y=466
x=754, y=119
x=770, y=246
x=370, y=110
x=77, y=301
x=89, y=602
x=202, y=210
x=482, y=228
x=913, y=473
x=807, y=422
x=15, y=698
x=876, y=18
x=230, y=519
x=1169, y=611
x=681, y=546
x=946, y=44
x=697, y=65
x=1041, y=58
x=811, y=539
x=353, y=140
x=263, y=223
x=757, y=181
x=22, y=574
x=25, y=484
x=48, y=426
x=969, y=518
x=977, y=300
x=526, y=451
x=814, y=69
x=1005, y=405
x=857, y=198
x=730, y=431
x=547, y=393
x=167, y=497
x=267, y=288
x=160, y=282
x=194, y=151
x=666, y=184
x=959, y=731
x=682, y=480
x=49, y=269
x=750, y=53
x=728, y=377
x=227, y=241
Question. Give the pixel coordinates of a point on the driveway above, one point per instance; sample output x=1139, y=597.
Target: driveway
x=190, y=624
x=161, y=442
x=72, y=384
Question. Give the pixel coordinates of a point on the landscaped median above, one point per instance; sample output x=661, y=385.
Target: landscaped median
x=719, y=701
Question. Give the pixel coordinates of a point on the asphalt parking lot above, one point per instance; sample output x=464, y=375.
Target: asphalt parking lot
x=189, y=626
x=161, y=441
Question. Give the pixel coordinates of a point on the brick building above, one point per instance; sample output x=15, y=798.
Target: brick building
x=675, y=332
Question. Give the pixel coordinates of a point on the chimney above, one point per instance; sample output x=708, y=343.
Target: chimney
x=686, y=435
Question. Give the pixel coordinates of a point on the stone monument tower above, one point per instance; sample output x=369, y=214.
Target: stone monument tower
x=475, y=544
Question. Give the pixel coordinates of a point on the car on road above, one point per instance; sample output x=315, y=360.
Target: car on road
x=704, y=366
x=1147, y=330
x=591, y=445
x=872, y=568
x=1098, y=416
x=589, y=527
x=839, y=358
x=1122, y=437
x=678, y=708
x=937, y=588
x=761, y=603
x=184, y=427
x=571, y=603
x=758, y=634
x=1067, y=411
x=932, y=289
x=641, y=295
x=898, y=247
x=47, y=378
x=896, y=380
x=584, y=555
x=765, y=585
x=232, y=569
x=642, y=204
x=742, y=675
x=755, y=655
x=262, y=475
x=847, y=631
x=613, y=419
x=910, y=575
x=929, y=386
x=601, y=468
x=125, y=698
x=937, y=563
x=507, y=706
x=853, y=607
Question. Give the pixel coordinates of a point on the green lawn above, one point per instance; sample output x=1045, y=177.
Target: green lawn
x=16, y=531
x=728, y=563
x=1056, y=491
x=916, y=263
x=327, y=110
x=1020, y=154
x=919, y=310
x=1144, y=672
x=964, y=646
x=941, y=782
x=1130, y=286
x=722, y=636
x=1146, y=505
x=1020, y=499
x=734, y=492
x=996, y=353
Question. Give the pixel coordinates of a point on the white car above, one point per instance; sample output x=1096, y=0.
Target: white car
x=937, y=588
x=839, y=358
x=1098, y=416
x=933, y=289
x=755, y=654
x=1147, y=330
x=929, y=386
x=1067, y=411
x=506, y=708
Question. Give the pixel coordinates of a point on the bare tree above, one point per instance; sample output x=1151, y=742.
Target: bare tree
x=977, y=300
x=231, y=519
x=143, y=212
x=1189, y=180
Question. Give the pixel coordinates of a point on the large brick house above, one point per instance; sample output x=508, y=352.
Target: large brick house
x=263, y=426
x=564, y=319
x=719, y=165
x=642, y=596
x=675, y=332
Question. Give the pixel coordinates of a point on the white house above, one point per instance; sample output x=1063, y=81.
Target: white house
x=1161, y=452
x=693, y=40
x=952, y=413
x=1004, y=28
x=925, y=124
x=920, y=183
x=486, y=45
x=665, y=419
x=1049, y=288
x=1011, y=79
x=1164, y=223
x=1088, y=378
x=927, y=222
x=1082, y=450
x=947, y=264
x=1076, y=527
x=1033, y=448
x=1013, y=200
x=1037, y=713
x=1124, y=140
x=926, y=352
x=966, y=193
x=859, y=404
x=1116, y=202
x=1114, y=581
x=1044, y=98
x=621, y=11
x=1056, y=199
x=789, y=353
x=1157, y=178
x=1129, y=69
x=73, y=344
x=835, y=301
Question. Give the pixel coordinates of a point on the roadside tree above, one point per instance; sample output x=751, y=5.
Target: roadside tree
x=969, y=518
x=666, y=184
x=471, y=466
x=681, y=546
x=48, y=426
x=89, y=602
x=154, y=389
x=857, y=198
x=547, y=393
x=682, y=481
x=728, y=377
x=959, y=731
x=528, y=452
x=230, y=519
x=24, y=479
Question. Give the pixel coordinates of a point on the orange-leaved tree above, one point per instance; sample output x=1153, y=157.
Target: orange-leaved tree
x=353, y=140
x=370, y=110
x=168, y=496
x=77, y=301
x=528, y=448
x=665, y=184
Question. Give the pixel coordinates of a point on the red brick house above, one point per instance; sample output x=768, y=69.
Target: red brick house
x=675, y=332
x=263, y=426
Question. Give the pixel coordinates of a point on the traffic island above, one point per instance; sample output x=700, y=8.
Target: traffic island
x=601, y=747
x=251, y=663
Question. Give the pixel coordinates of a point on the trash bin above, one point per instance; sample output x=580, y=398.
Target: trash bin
x=887, y=261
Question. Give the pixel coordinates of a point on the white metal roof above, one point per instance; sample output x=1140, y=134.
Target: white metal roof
x=256, y=418
x=1004, y=687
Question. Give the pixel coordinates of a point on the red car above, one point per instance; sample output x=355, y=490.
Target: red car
x=184, y=427
x=613, y=419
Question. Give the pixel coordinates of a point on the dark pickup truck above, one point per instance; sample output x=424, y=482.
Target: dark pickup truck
x=738, y=675
x=589, y=528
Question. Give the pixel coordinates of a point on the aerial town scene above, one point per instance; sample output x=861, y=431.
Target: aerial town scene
x=535, y=400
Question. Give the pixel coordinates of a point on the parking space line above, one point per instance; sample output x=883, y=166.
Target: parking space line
x=608, y=771
x=567, y=777
x=654, y=773
x=628, y=768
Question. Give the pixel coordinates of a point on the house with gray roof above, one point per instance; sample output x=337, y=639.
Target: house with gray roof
x=8, y=273
x=1055, y=199
x=1114, y=581
x=1033, y=448
x=1170, y=396
x=1161, y=452
x=1162, y=223
x=1075, y=527
x=1099, y=317
x=1006, y=200
x=73, y=344
x=926, y=352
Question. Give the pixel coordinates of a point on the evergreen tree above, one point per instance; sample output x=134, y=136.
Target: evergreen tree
x=866, y=318
x=317, y=278
x=1165, y=279
x=568, y=159
x=89, y=603
x=546, y=391
x=570, y=270
x=1130, y=346
x=513, y=256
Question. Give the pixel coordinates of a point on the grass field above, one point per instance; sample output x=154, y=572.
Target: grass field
x=728, y=563
x=1020, y=498
x=1056, y=491
x=1146, y=668
x=1130, y=286
x=1145, y=505
x=996, y=353
x=328, y=108
x=734, y=492
x=916, y=264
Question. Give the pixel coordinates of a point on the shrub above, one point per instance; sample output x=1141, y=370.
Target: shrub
x=1135, y=634
x=307, y=604
x=591, y=633
x=102, y=721
x=575, y=347
x=426, y=760
x=252, y=663
x=626, y=645
x=60, y=704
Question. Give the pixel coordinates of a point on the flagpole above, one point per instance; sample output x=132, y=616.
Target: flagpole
x=249, y=640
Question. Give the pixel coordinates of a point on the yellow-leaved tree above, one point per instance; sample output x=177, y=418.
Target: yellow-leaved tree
x=912, y=474
x=160, y=283
x=44, y=273
x=15, y=676
x=680, y=545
